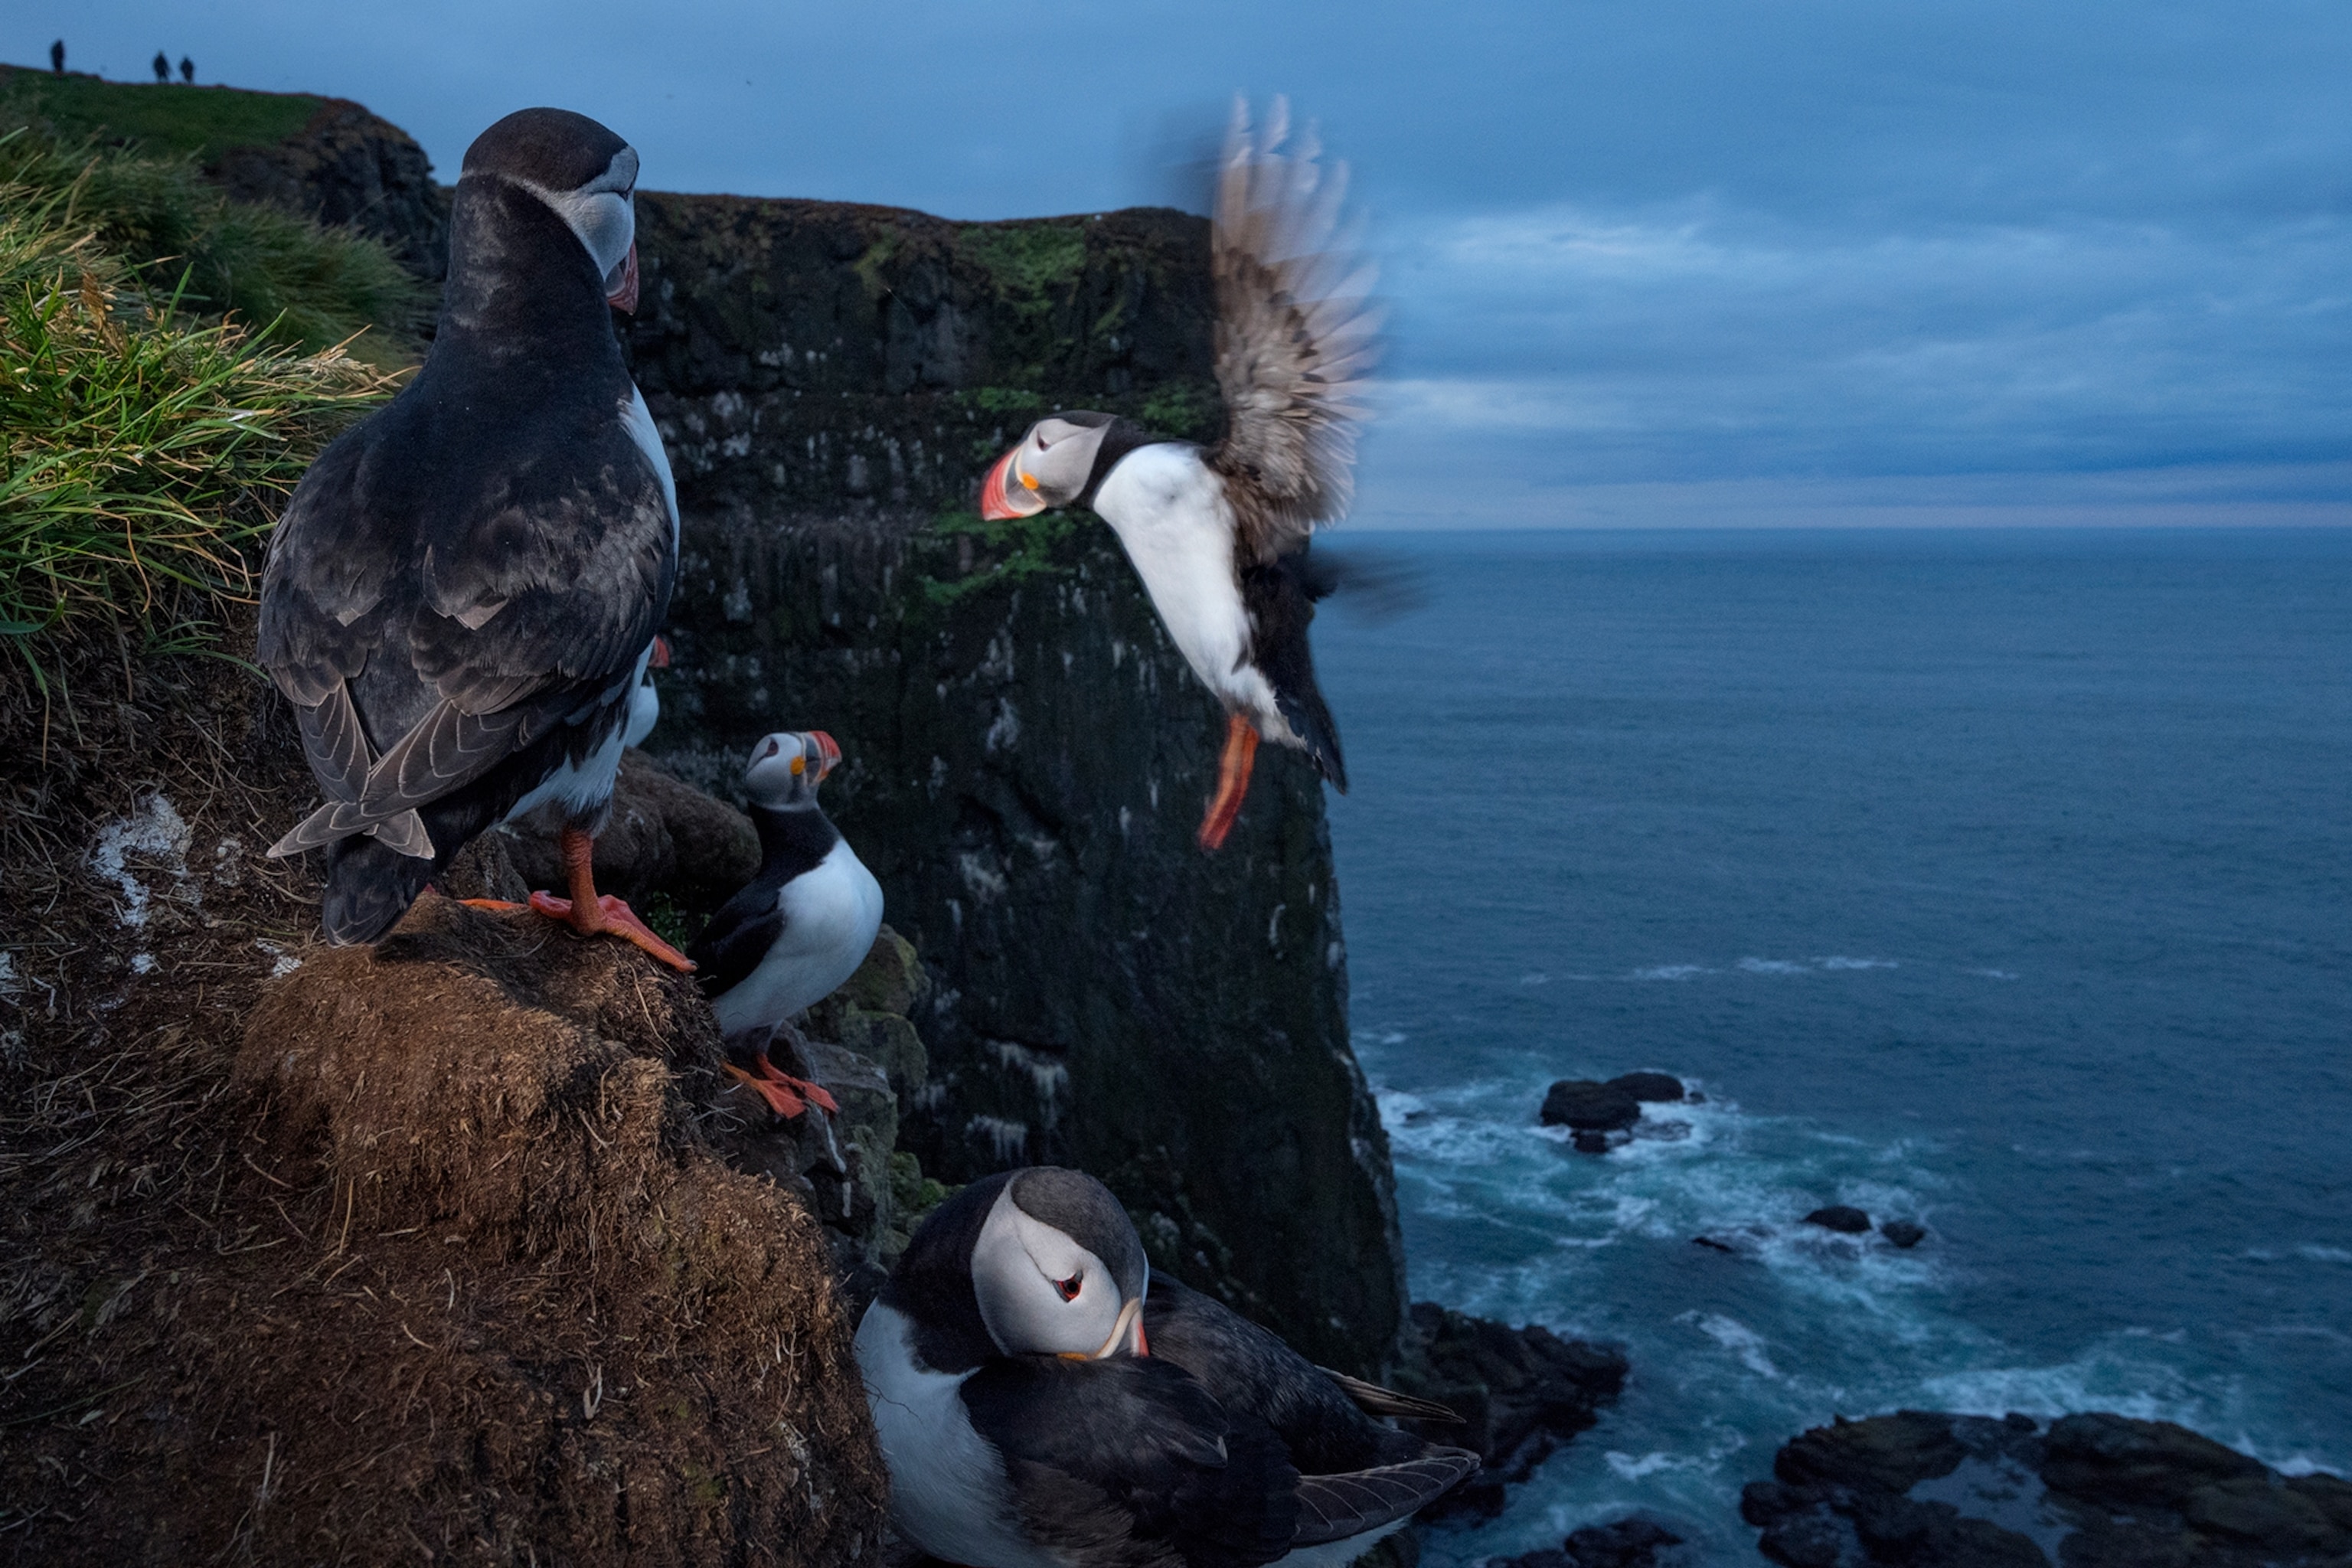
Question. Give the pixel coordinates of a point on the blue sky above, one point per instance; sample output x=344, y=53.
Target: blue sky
x=1668, y=262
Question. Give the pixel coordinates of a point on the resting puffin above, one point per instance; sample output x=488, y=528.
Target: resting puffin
x=1219, y=535
x=1037, y=1409
x=798, y=928
x=460, y=600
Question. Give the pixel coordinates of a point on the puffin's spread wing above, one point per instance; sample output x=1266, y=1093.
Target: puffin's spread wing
x=1296, y=337
x=526, y=615
x=737, y=938
x=1130, y=1461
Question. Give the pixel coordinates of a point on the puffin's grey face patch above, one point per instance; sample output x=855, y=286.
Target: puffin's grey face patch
x=1060, y=457
x=780, y=773
x=602, y=213
x=1040, y=1292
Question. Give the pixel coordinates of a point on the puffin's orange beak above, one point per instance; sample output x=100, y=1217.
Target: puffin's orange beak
x=829, y=752
x=993, y=506
x=624, y=297
x=660, y=659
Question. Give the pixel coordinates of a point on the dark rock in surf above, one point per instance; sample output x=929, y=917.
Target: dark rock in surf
x=1650, y=1088
x=1843, y=1218
x=1905, y=1233
x=1633, y=1542
x=2095, y=1490
x=1521, y=1392
x=1584, y=1105
x=1589, y=1143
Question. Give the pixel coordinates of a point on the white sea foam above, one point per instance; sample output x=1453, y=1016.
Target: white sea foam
x=1670, y=972
x=1773, y=966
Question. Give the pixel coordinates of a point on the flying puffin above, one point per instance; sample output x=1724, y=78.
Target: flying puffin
x=1044, y=1400
x=460, y=600
x=798, y=928
x=1219, y=535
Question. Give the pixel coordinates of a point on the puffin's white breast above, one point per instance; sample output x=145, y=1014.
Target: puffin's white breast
x=832, y=913
x=948, y=1492
x=1169, y=510
x=581, y=788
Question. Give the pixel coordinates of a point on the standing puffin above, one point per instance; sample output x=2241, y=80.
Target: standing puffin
x=798, y=928
x=460, y=601
x=1044, y=1400
x=1219, y=535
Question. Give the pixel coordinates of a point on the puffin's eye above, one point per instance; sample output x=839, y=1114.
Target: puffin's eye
x=1071, y=1287
x=772, y=748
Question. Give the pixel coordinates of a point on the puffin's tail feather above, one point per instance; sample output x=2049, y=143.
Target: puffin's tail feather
x=339, y=819
x=370, y=885
x=1334, y=1508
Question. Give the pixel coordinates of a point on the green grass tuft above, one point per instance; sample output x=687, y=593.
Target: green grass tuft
x=305, y=285
x=147, y=450
x=202, y=123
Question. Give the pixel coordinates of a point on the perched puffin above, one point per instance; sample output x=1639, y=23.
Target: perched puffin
x=1044, y=1400
x=798, y=929
x=1219, y=535
x=460, y=600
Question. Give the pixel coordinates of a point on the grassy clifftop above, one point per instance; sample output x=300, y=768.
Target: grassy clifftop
x=202, y=123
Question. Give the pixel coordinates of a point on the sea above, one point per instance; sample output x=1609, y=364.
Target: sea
x=1997, y=880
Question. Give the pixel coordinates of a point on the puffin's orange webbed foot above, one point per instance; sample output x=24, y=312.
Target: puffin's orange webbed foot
x=1232, y=781
x=786, y=1096
x=500, y=905
x=609, y=916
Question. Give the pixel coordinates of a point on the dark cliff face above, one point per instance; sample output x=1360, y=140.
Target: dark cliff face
x=1027, y=755
x=347, y=166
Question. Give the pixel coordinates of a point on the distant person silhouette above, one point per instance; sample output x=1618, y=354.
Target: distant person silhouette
x=187, y=70
x=163, y=67
x=58, y=56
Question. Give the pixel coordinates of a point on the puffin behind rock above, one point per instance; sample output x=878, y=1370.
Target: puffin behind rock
x=460, y=600
x=798, y=929
x=1219, y=535
x=1044, y=1400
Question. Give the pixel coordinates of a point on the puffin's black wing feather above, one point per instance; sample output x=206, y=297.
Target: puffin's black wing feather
x=1254, y=1373
x=1333, y=1507
x=737, y=937
x=1373, y=1400
x=1279, y=595
x=458, y=641
x=1129, y=1462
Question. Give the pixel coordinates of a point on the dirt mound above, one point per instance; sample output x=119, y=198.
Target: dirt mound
x=420, y=1252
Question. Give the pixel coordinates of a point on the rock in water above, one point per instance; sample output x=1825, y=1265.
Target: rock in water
x=1843, y=1218
x=1521, y=1392
x=1649, y=1087
x=514, y=1264
x=1931, y=1490
x=1904, y=1233
x=1586, y=1106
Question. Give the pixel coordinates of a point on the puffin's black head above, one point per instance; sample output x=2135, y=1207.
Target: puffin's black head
x=583, y=173
x=1061, y=460
x=786, y=768
x=1045, y=1258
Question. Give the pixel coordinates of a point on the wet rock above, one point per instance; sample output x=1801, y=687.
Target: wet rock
x=1843, y=1218
x=1589, y=1143
x=1904, y=1233
x=1584, y=1105
x=1633, y=1542
x=2093, y=1490
x=1521, y=1394
x=1650, y=1088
